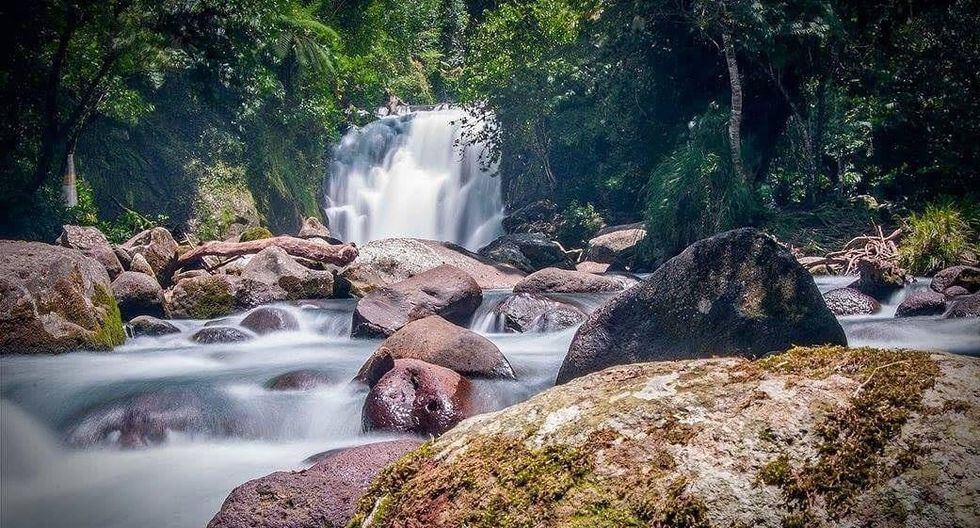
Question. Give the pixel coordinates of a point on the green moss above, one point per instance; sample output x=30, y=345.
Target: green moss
x=852, y=440
x=255, y=233
x=210, y=298
x=110, y=332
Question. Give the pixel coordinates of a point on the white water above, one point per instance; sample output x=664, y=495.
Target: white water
x=182, y=482
x=412, y=176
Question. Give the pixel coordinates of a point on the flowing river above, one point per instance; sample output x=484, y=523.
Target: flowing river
x=52, y=478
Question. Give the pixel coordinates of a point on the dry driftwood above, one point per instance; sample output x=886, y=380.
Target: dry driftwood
x=336, y=254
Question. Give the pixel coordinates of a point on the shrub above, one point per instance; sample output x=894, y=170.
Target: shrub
x=938, y=237
x=578, y=224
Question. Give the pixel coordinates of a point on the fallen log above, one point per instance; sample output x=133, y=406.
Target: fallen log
x=336, y=254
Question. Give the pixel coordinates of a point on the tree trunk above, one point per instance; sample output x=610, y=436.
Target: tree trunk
x=336, y=254
x=735, y=121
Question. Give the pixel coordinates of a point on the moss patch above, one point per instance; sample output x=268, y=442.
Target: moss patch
x=255, y=233
x=852, y=440
x=499, y=482
x=110, y=332
x=207, y=299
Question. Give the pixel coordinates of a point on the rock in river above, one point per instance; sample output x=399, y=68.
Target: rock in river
x=304, y=379
x=54, y=299
x=202, y=297
x=554, y=280
x=966, y=277
x=848, y=301
x=526, y=312
x=527, y=252
x=737, y=293
x=272, y=275
x=921, y=302
x=324, y=495
x=145, y=325
x=269, y=319
x=437, y=341
x=815, y=437
x=138, y=294
x=159, y=249
x=445, y=290
x=417, y=397
x=220, y=334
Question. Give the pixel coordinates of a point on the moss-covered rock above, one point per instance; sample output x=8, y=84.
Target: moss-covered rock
x=201, y=297
x=255, y=233
x=814, y=437
x=55, y=299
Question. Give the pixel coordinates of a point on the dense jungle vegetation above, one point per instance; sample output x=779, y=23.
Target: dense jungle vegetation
x=693, y=115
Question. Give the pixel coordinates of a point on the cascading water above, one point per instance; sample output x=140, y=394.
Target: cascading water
x=414, y=175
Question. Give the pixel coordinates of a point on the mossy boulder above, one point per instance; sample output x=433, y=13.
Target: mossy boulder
x=812, y=437
x=202, y=297
x=255, y=233
x=737, y=293
x=55, y=299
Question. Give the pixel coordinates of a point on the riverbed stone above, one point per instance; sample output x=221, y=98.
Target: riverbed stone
x=272, y=275
x=201, y=297
x=614, y=242
x=921, y=302
x=737, y=293
x=303, y=379
x=536, y=217
x=527, y=252
x=880, y=278
x=963, y=306
x=967, y=277
x=848, y=301
x=138, y=294
x=526, y=312
x=159, y=249
x=146, y=325
x=92, y=243
x=269, y=319
x=139, y=265
x=554, y=280
x=446, y=291
x=324, y=495
x=220, y=334
x=55, y=299
x=712, y=442
x=439, y=342
x=417, y=397
x=384, y=262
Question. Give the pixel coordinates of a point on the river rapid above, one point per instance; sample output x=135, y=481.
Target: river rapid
x=52, y=478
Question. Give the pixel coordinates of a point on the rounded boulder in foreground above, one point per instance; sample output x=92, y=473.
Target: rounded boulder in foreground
x=848, y=301
x=267, y=320
x=417, y=397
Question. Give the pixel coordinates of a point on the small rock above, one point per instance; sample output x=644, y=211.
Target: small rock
x=202, y=297
x=145, y=325
x=527, y=252
x=305, y=379
x=140, y=265
x=92, y=243
x=880, y=278
x=921, y=302
x=445, y=291
x=963, y=306
x=967, y=277
x=220, y=334
x=159, y=249
x=613, y=242
x=525, y=312
x=439, y=342
x=417, y=397
x=554, y=280
x=267, y=320
x=313, y=228
x=138, y=294
x=125, y=258
x=848, y=301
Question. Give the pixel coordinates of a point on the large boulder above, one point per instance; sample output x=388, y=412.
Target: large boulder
x=437, y=341
x=55, y=299
x=138, y=294
x=966, y=277
x=159, y=249
x=963, y=306
x=272, y=275
x=813, y=437
x=526, y=312
x=554, y=280
x=324, y=495
x=921, y=302
x=201, y=297
x=848, y=301
x=92, y=243
x=417, y=397
x=384, y=262
x=527, y=252
x=445, y=290
x=614, y=243
x=737, y=293
x=270, y=319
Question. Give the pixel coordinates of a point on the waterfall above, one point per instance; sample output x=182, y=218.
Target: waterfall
x=412, y=176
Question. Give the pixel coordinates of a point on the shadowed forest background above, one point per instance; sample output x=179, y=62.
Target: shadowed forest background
x=809, y=117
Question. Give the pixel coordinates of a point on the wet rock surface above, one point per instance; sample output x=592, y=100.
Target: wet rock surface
x=92, y=243
x=966, y=277
x=220, y=334
x=272, y=275
x=439, y=342
x=554, y=280
x=921, y=302
x=848, y=301
x=527, y=252
x=323, y=495
x=417, y=397
x=145, y=325
x=880, y=278
x=526, y=312
x=267, y=319
x=734, y=294
x=963, y=306
x=138, y=294
x=445, y=291
x=304, y=379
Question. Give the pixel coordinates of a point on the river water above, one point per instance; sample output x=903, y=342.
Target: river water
x=51, y=478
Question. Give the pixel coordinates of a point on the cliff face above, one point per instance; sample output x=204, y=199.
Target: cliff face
x=846, y=437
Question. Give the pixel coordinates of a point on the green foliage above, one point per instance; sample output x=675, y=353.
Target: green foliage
x=117, y=230
x=938, y=237
x=693, y=193
x=579, y=223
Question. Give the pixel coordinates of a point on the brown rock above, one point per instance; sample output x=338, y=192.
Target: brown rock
x=439, y=342
x=140, y=265
x=525, y=312
x=417, y=397
x=304, y=379
x=314, y=228
x=138, y=294
x=272, y=275
x=92, y=243
x=963, y=306
x=220, y=334
x=145, y=325
x=444, y=290
x=203, y=297
x=267, y=319
x=967, y=277
x=321, y=496
x=880, y=278
x=159, y=249
x=611, y=242
x=848, y=301
x=921, y=302
x=554, y=280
